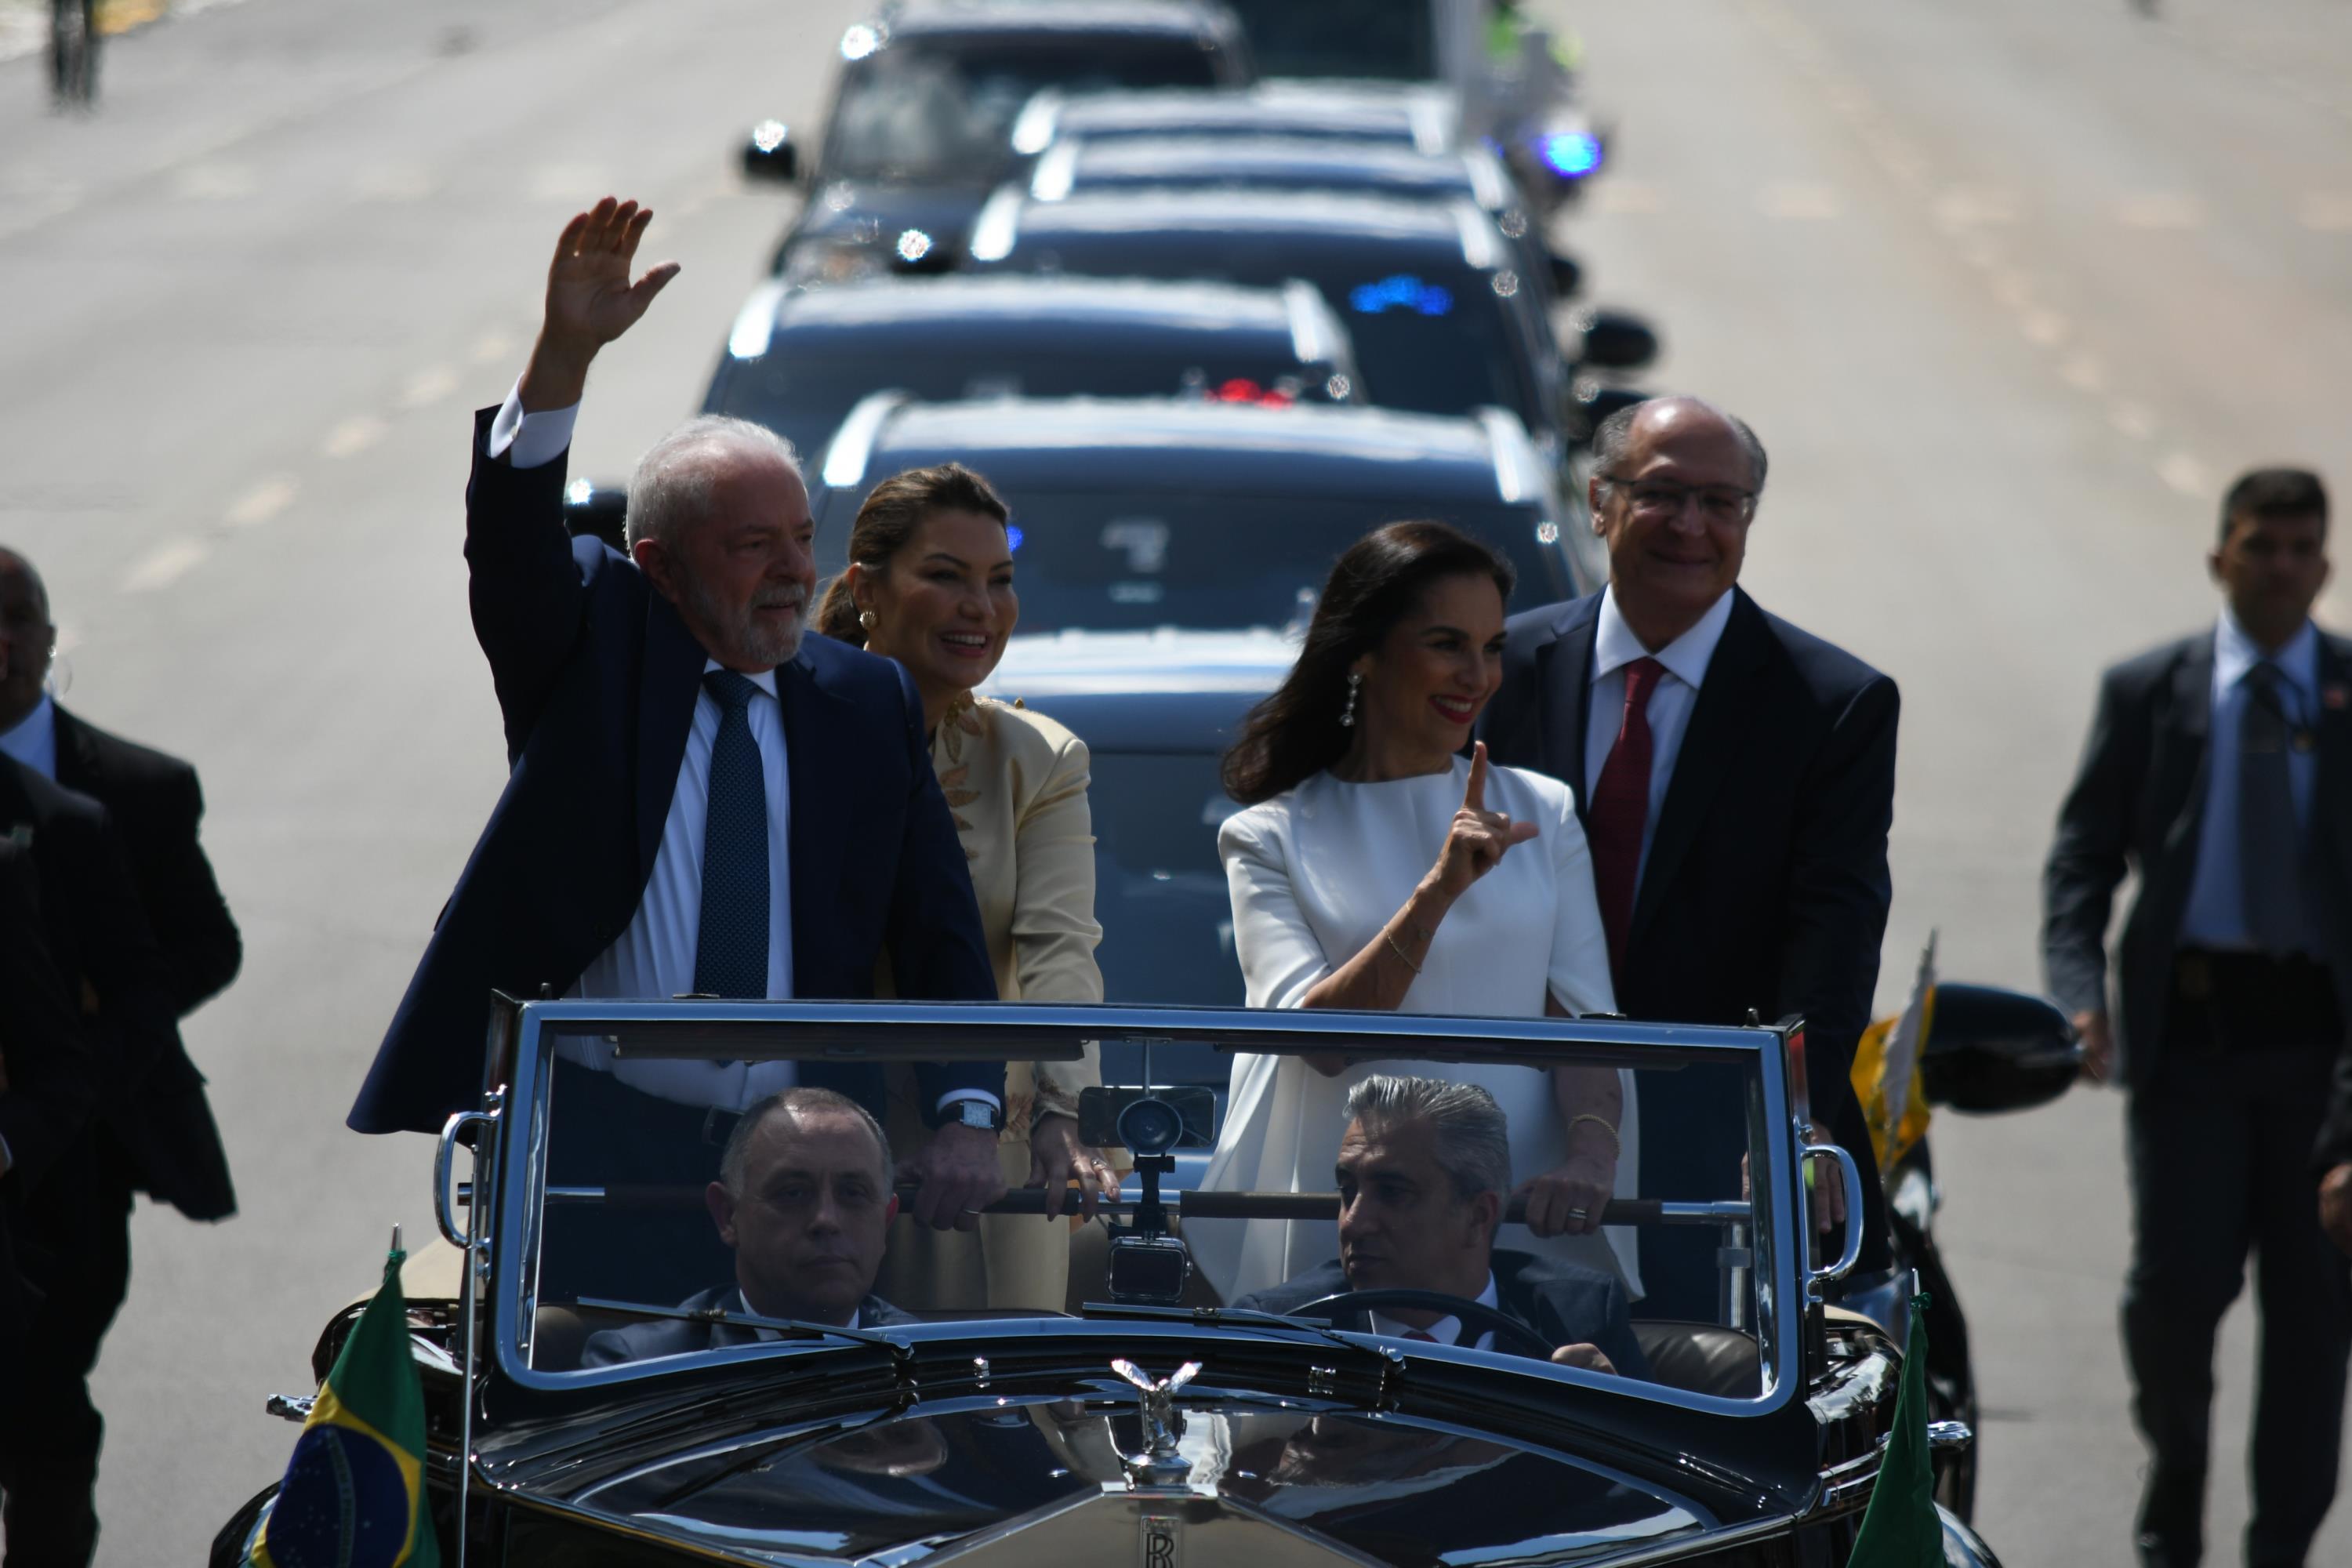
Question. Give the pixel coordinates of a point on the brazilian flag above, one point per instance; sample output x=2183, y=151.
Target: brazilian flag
x=1901, y=1529
x=353, y=1495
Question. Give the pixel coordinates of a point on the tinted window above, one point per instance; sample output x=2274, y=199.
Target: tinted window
x=1151, y=556
x=1386, y=39
x=917, y=112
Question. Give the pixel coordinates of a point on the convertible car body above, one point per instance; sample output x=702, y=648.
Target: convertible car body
x=579, y=1415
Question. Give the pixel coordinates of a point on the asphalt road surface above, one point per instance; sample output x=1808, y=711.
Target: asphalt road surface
x=2010, y=289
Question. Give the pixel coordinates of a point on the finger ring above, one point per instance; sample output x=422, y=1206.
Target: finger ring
x=1579, y=1213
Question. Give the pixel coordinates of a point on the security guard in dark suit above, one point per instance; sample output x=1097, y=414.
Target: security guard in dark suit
x=2220, y=771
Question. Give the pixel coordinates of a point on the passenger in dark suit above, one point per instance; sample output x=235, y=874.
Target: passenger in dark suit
x=804, y=1201
x=702, y=798
x=1736, y=777
x=2220, y=771
x=1423, y=1172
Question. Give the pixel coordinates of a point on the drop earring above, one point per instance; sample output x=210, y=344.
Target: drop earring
x=1348, y=714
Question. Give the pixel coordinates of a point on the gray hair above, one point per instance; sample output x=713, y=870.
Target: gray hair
x=1474, y=1137
x=735, y=1161
x=672, y=484
x=1613, y=435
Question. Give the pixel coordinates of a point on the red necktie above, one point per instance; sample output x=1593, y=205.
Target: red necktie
x=1620, y=811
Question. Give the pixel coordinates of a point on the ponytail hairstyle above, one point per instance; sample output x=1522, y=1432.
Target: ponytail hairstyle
x=1296, y=733
x=893, y=511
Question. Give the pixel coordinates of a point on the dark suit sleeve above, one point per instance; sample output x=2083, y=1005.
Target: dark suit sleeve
x=1838, y=887
x=2089, y=857
x=526, y=590
x=938, y=953
x=1512, y=721
x=2334, y=1147
x=53, y=1076
x=201, y=947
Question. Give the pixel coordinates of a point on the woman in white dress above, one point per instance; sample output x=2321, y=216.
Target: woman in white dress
x=1374, y=868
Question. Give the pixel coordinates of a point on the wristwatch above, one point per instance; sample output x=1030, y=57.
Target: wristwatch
x=974, y=1113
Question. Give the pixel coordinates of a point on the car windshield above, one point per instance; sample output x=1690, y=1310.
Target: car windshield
x=707, y=1178
x=1159, y=556
x=1390, y=39
x=804, y=395
x=920, y=110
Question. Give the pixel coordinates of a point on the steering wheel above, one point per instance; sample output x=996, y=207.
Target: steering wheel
x=1499, y=1323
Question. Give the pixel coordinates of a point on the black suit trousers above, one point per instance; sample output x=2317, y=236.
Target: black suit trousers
x=2219, y=1147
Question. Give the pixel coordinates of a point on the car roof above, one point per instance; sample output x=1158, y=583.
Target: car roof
x=1169, y=691
x=913, y=312
x=936, y=19
x=1310, y=225
x=1413, y=115
x=1200, y=446
x=1082, y=162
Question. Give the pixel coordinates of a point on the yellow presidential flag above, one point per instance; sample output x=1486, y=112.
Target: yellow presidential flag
x=1887, y=1069
x=354, y=1496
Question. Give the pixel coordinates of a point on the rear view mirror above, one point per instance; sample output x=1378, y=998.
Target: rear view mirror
x=770, y=153
x=596, y=512
x=1567, y=277
x=1991, y=1050
x=1615, y=340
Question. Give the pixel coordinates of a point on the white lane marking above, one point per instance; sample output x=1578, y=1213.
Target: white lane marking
x=2185, y=473
x=164, y=565
x=216, y=182
x=2081, y=371
x=262, y=502
x=353, y=436
x=394, y=183
x=2044, y=328
x=2160, y=209
x=1799, y=200
x=2012, y=288
x=1628, y=197
x=2329, y=212
x=428, y=386
x=2132, y=419
x=492, y=346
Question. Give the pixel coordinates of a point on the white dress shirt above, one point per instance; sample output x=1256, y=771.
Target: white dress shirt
x=1444, y=1330
x=33, y=741
x=1614, y=647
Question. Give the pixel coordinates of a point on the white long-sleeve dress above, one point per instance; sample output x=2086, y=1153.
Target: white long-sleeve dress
x=1315, y=874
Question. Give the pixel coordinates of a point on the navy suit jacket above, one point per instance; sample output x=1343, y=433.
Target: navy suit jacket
x=680, y=1336
x=597, y=678
x=1565, y=1303
x=2138, y=803
x=1766, y=886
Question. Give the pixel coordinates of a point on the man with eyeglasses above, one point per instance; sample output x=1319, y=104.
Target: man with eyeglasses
x=1736, y=779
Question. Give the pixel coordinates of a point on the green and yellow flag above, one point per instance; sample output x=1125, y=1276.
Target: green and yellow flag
x=354, y=1496
x=1901, y=1529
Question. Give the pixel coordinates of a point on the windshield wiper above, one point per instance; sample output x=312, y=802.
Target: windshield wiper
x=791, y=1328
x=1243, y=1317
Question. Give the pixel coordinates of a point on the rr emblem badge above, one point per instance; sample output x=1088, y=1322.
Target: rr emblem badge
x=1160, y=1543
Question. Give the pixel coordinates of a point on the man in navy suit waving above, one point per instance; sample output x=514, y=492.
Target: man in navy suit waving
x=702, y=797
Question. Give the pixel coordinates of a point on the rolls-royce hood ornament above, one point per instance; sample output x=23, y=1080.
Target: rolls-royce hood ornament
x=1161, y=1464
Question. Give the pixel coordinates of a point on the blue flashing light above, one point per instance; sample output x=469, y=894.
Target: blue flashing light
x=1012, y=536
x=1570, y=153
x=1402, y=292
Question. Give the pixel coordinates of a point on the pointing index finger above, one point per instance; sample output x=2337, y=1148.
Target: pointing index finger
x=1474, y=794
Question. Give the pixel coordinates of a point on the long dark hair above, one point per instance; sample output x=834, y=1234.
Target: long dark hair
x=1296, y=733
x=897, y=507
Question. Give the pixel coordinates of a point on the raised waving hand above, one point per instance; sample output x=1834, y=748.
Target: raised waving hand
x=591, y=300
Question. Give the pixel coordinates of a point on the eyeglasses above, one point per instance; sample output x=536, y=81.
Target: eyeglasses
x=1665, y=499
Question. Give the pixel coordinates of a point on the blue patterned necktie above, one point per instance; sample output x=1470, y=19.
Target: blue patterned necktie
x=730, y=949
x=2269, y=841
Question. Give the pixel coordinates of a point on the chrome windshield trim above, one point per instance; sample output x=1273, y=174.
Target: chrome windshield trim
x=1057, y=172
x=1482, y=243
x=1314, y=330
x=998, y=226
x=755, y=324
x=852, y=447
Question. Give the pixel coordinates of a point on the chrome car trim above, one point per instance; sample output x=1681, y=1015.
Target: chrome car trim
x=755, y=324
x=998, y=226
x=852, y=447
x=1032, y=129
x=1851, y=1251
x=1057, y=172
x=1482, y=243
x=1314, y=334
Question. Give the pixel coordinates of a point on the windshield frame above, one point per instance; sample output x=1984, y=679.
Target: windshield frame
x=996, y=1031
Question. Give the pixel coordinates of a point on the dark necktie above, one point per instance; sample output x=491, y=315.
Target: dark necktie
x=1620, y=811
x=730, y=947
x=2270, y=843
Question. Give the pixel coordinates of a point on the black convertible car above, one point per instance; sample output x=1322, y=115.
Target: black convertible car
x=586, y=1407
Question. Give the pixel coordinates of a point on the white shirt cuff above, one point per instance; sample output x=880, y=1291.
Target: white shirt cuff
x=979, y=1094
x=531, y=440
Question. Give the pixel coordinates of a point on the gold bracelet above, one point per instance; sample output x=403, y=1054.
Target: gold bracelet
x=1616, y=1146
x=1408, y=962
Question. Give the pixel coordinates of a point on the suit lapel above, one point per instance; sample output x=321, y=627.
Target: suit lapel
x=77, y=766
x=2186, y=761
x=1719, y=725
x=1564, y=669
x=2329, y=823
x=817, y=819
x=672, y=678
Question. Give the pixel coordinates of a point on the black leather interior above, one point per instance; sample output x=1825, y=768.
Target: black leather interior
x=1702, y=1358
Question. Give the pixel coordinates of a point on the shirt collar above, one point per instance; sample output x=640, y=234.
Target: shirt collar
x=34, y=736
x=764, y=679
x=1451, y=1327
x=1615, y=645
x=2235, y=652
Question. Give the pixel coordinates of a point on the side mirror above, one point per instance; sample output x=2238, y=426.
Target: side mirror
x=770, y=153
x=1615, y=340
x=1589, y=403
x=1567, y=277
x=596, y=512
x=1990, y=1050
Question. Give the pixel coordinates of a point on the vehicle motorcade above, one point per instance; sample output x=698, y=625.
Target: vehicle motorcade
x=1140, y=513
x=583, y=1406
x=799, y=358
x=1426, y=119
x=929, y=90
x=1431, y=292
